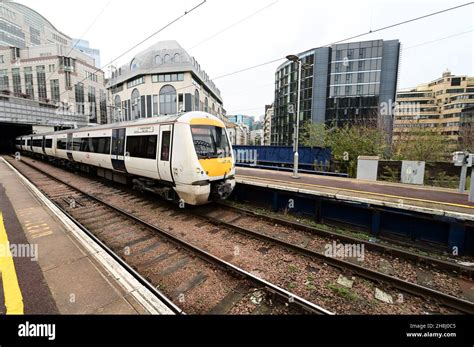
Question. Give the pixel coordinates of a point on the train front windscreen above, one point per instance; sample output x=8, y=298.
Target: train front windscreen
x=210, y=141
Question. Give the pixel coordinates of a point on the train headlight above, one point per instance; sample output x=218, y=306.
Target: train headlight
x=198, y=170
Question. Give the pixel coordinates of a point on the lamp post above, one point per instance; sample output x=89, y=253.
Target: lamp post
x=297, y=60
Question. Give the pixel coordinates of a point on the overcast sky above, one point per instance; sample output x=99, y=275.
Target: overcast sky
x=283, y=27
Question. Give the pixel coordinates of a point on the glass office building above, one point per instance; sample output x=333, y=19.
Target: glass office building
x=344, y=83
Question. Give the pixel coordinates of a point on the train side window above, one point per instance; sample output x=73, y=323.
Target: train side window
x=104, y=145
x=48, y=143
x=165, y=145
x=61, y=144
x=142, y=146
x=151, y=148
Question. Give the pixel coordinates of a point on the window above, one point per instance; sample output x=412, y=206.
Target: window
x=92, y=104
x=210, y=141
x=206, y=105
x=103, y=106
x=167, y=78
x=167, y=59
x=118, y=108
x=136, y=82
x=37, y=143
x=165, y=146
x=51, y=68
x=1, y=59
x=156, y=111
x=196, y=100
x=16, y=81
x=158, y=60
x=79, y=95
x=134, y=65
x=136, y=104
x=168, y=100
x=48, y=143
x=61, y=144
x=99, y=145
x=74, y=145
x=41, y=76
x=455, y=81
x=55, y=90
x=91, y=76
x=142, y=146
x=29, y=88
x=4, y=84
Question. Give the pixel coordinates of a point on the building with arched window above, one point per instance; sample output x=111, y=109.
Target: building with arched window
x=162, y=80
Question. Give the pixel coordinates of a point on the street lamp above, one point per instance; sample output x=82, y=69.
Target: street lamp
x=297, y=60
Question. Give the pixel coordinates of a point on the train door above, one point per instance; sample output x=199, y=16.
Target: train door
x=69, y=147
x=44, y=144
x=164, y=155
x=31, y=143
x=118, y=149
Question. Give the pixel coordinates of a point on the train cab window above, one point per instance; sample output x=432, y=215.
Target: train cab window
x=142, y=146
x=210, y=141
x=48, y=143
x=165, y=146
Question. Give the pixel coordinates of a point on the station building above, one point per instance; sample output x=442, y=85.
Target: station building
x=162, y=80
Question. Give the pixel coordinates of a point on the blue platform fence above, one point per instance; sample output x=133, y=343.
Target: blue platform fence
x=311, y=159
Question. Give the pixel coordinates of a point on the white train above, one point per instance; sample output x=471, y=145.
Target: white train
x=186, y=158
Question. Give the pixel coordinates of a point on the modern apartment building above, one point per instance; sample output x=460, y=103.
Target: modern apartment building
x=442, y=104
x=163, y=79
x=343, y=83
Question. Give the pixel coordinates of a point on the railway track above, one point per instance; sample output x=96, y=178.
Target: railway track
x=450, y=267
x=408, y=287
x=459, y=305
x=195, y=280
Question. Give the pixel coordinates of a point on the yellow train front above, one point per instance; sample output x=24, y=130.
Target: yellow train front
x=210, y=162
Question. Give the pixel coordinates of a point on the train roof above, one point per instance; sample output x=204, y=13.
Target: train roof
x=141, y=121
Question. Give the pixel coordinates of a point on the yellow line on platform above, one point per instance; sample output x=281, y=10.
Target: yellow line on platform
x=11, y=287
x=356, y=191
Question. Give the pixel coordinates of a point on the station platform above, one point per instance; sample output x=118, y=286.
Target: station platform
x=437, y=201
x=47, y=269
